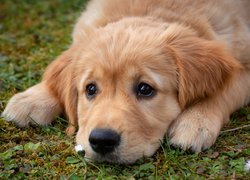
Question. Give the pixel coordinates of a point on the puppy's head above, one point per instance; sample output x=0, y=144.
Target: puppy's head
x=132, y=80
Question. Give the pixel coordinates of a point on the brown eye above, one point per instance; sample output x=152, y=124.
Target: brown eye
x=144, y=90
x=91, y=90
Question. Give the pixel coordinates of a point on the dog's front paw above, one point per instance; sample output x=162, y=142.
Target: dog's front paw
x=34, y=105
x=194, y=129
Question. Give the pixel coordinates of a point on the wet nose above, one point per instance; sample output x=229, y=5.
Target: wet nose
x=104, y=141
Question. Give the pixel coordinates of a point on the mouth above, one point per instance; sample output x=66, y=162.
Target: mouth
x=113, y=157
x=110, y=158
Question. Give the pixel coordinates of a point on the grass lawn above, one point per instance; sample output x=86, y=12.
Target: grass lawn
x=32, y=34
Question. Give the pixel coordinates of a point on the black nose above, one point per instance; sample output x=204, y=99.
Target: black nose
x=104, y=141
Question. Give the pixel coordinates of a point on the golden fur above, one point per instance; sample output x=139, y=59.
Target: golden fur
x=195, y=54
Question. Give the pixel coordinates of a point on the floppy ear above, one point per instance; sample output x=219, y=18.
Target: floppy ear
x=60, y=81
x=204, y=67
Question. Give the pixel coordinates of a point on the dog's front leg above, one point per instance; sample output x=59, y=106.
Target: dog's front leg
x=41, y=103
x=199, y=125
x=35, y=105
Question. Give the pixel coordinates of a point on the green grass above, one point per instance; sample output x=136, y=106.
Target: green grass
x=32, y=34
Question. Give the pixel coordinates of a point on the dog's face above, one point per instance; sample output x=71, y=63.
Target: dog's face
x=126, y=90
x=131, y=83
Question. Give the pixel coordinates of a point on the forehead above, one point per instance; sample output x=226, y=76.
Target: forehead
x=125, y=54
x=126, y=65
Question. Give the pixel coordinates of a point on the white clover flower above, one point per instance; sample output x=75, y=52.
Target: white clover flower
x=79, y=148
x=247, y=166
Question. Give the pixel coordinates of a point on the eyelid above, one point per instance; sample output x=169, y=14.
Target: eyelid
x=148, y=81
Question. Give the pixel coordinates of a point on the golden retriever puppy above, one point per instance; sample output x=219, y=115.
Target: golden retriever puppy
x=141, y=69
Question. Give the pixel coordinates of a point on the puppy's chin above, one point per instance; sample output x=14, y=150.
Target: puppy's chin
x=123, y=156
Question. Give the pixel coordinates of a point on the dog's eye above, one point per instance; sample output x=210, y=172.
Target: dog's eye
x=91, y=90
x=144, y=90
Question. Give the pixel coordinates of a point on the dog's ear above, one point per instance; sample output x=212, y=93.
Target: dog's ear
x=204, y=67
x=59, y=77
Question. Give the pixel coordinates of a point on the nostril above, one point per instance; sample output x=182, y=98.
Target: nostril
x=104, y=141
